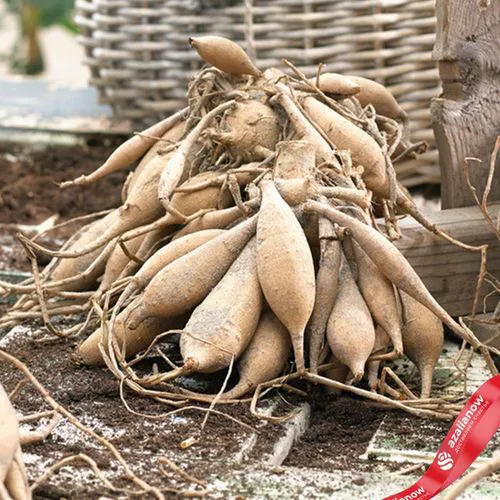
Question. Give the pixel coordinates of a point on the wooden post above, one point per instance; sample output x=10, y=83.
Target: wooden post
x=466, y=117
x=449, y=272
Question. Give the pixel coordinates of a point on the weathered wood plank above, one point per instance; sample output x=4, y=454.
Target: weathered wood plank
x=449, y=272
x=466, y=117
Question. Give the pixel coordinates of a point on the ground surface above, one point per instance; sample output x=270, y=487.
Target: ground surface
x=28, y=186
x=93, y=396
x=349, y=448
x=29, y=193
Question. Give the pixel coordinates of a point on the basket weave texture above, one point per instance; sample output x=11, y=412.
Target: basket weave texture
x=141, y=61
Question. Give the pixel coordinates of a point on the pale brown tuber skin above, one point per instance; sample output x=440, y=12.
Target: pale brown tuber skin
x=220, y=267
x=295, y=191
x=304, y=130
x=141, y=207
x=185, y=282
x=265, y=357
x=350, y=331
x=187, y=203
x=374, y=93
x=209, y=197
x=66, y=268
x=334, y=83
x=217, y=219
x=345, y=135
x=13, y=482
x=382, y=342
x=144, y=251
x=16, y=481
x=250, y=132
x=380, y=298
x=392, y=263
x=178, y=166
x=224, y=54
x=422, y=339
x=361, y=198
x=165, y=256
x=327, y=283
x=131, y=150
x=285, y=266
x=169, y=138
x=9, y=434
x=338, y=372
x=221, y=327
x=116, y=263
x=88, y=352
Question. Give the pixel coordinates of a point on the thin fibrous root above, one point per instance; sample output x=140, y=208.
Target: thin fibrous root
x=73, y=420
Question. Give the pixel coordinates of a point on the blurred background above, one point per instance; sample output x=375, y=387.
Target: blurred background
x=88, y=66
x=37, y=37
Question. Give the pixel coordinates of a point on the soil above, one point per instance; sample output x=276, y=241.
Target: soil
x=29, y=193
x=339, y=433
x=346, y=422
x=340, y=428
x=93, y=396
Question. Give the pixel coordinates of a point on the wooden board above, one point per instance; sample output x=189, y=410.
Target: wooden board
x=449, y=272
x=466, y=117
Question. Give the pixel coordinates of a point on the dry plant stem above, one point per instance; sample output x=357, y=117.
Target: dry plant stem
x=129, y=151
x=39, y=291
x=17, y=389
x=387, y=371
x=34, y=437
x=377, y=397
x=219, y=180
x=34, y=416
x=182, y=472
x=419, y=147
x=197, y=103
x=480, y=278
x=82, y=458
x=483, y=204
x=304, y=129
x=481, y=472
x=162, y=416
x=461, y=372
x=408, y=207
x=389, y=260
x=484, y=349
x=318, y=379
x=131, y=256
x=172, y=217
x=176, y=166
x=52, y=285
x=49, y=312
x=80, y=218
x=390, y=222
x=219, y=394
x=72, y=419
x=386, y=389
x=331, y=102
x=360, y=198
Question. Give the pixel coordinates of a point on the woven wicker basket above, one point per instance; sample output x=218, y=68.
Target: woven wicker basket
x=140, y=59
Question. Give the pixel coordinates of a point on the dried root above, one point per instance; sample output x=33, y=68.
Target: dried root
x=252, y=235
